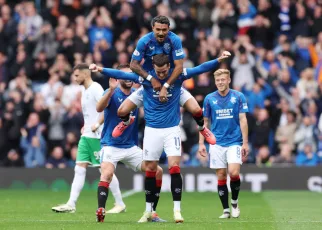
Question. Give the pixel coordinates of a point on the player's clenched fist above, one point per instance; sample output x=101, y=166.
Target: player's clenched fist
x=224, y=56
x=202, y=150
x=94, y=68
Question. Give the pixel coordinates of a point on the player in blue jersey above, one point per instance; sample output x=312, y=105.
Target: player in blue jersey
x=225, y=109
x=123, y=148
x=162, y=130
x=161, y=40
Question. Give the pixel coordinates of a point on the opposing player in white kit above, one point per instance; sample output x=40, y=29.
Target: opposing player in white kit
x=225, y=109
x=162, y=130
x=89, y=144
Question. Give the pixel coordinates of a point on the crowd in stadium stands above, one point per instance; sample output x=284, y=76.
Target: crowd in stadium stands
x=276, y=63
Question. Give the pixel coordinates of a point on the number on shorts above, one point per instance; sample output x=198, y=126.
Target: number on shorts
x=177, y=142
x=238, y=152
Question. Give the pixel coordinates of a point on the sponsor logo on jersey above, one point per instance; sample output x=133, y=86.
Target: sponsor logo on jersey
x=120, y=99
x=136, y=53
x=215, y=102
x=224, y=113
x=179, y=52
x=151, y=47
x=245, y=106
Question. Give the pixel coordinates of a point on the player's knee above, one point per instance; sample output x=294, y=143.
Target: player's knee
x=174, y=170
x=79, y=170
x=151, y=166
x=221, y=176
x=234, y=174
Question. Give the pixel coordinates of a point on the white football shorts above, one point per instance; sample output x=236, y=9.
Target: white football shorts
x=131, y=157
x=158, y=139
x=137, y=97
x=221, y=156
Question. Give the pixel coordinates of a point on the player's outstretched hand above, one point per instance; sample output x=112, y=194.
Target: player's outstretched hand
x=113, y=83
x=202, y=150
x=94, y=68
x=245, y=151
x=224, y=56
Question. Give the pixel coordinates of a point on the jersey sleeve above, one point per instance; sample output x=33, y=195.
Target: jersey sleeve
x=202, y=68
x=139, y=51
x=206, y=108
x=177, y=51
x=118, y=74
x=243, y=107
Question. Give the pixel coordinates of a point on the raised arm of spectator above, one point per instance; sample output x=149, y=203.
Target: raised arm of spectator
x=90, y=17
x=106, y=17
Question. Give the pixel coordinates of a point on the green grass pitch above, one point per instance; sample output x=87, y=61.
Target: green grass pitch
x=31, y=210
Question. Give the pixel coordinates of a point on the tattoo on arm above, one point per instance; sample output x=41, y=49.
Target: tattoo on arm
x=137, y=68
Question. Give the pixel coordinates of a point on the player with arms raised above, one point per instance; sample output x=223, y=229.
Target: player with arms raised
x=89, y=143
x=162, y=132
x=163, y=41
x=225, y=109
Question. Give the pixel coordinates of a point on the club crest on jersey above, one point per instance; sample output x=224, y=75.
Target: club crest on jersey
x=233, y=100
x=166, y=46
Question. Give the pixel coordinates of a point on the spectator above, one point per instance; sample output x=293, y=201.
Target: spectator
x=307, y=157
x=285, y=133
x=13, y=159
x=56, y=159
x=33, y=143
x=285, y=157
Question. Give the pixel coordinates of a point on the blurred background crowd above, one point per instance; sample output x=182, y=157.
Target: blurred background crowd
x=276, y=63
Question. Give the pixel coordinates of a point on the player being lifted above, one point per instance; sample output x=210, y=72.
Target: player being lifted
x=162, y=132
x=225, y=110
x=123, y=148
x=89, y=143
x=161, y=40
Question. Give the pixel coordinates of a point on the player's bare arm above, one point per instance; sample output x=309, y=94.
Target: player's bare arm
x=103, y=102
x=178, y=69
x=99, y=122
x=202, y=148
x=138, y=69
x=244, y=130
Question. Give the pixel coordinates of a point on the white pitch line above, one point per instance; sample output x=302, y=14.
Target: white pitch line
x=129, y=193
x=221, y=222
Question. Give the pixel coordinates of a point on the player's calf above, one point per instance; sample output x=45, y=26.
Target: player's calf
x=176, y=190
x=223, y=195
x=235, y=188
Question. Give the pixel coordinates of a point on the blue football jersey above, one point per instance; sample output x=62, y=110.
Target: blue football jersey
x=148, y=46
x=156, y=113
x=223, y=113
x=130, y=136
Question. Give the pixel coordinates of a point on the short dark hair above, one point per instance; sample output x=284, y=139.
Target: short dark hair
x=160, y=19
x=160, y=60
x=81, y=66
x=123, y=66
